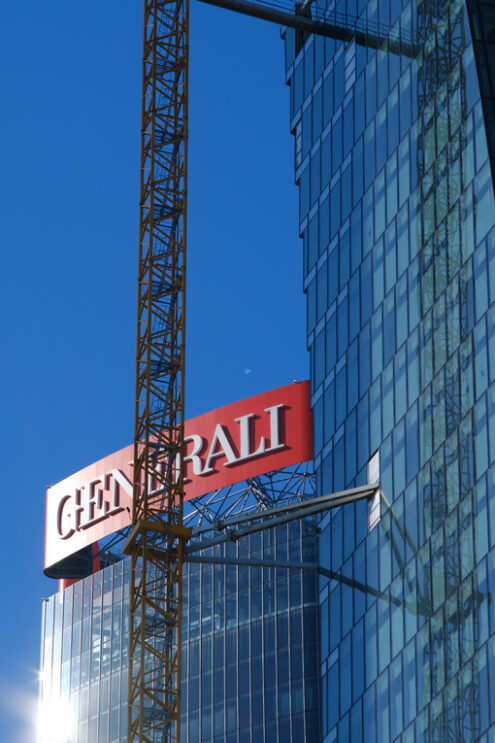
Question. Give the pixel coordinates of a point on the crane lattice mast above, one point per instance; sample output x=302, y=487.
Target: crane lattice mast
x=157, y=537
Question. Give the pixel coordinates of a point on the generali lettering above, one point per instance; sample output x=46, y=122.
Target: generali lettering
x=230, y=446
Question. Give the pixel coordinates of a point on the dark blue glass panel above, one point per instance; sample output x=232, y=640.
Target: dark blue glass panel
x=363, y=433
x=312, y=241
x=345, y=668
x=356, y=238
x=339, y=460
x=393, y=120
x=318, y=425
x=381, y=137
x=357, y=172
x=343, y=326
x=315, y=177
x=327, y=98
x=317, y=115
x=348, y=128
x=366, y=290
x=340, y=405
x=371, y=89
x=304, y=193
x=319, y=356
x=343, y=727
x=333, y=695
x=359, y=106
x=369, y=715
x=389, y=328
x=324, y=215
x=369, y=154
x=344, y=260
x=306, y=130
x=412, y=444
x=352, y=375
x=354, y=305
x=357, y=660
x=382, y=72
x=308, y=69
x=331, y=342
x=326, y=165
x=297, y=87
x=311, y=303
x=338, y=81
x=319, y=45
x=334, y=209
x=329, y=406
x=350, y=452
x=346, y=193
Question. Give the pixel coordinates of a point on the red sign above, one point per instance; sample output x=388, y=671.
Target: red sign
x=228, y=445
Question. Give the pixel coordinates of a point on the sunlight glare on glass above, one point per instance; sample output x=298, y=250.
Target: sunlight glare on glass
x=56, y=724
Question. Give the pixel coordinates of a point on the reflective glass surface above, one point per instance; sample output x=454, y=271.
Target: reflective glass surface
x=250, y=648
x=397, y=220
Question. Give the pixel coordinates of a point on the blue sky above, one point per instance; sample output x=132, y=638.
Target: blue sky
x=70, y=91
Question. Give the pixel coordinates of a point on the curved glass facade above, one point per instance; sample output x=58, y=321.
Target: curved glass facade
x=397, y=219
x=250, y=643
x=249, y=665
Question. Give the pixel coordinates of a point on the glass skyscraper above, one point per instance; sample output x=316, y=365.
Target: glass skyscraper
x=249, y=656
x=397, y=220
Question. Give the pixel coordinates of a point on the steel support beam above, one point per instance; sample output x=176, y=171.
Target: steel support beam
x=279, y=515
x=341, y=28
x=288, y=565
x=339, y=498
x=251, y=562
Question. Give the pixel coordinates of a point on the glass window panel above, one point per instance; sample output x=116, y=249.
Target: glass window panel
x=327, y=98
x=329, y=417
x=377, y=343
x=336, y=143
x=324, y=222
x=389, y=327
x=348, y=128
x=343, y=329
x=357, y=171
x=371, y=89
x=380, y=215
x=378, y=274
x=371, y=653
x=338, y=91
x=308, y=69
x=393, y=119
x=359, y=105
x=335, y=220
x=331, y=342
x=366, y=291
x=340, y=406
x=315, y=177
x=317, y=114
x=312, y=241
x=326, y=163
x=319, y=356
x=369, y=154
x=304, y=193
x=344, y=260
x=395, y=698
x=346, y=193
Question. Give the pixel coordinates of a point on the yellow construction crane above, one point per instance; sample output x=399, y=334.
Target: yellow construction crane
x=157, y=539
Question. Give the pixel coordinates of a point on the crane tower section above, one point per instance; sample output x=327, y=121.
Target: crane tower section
x=157, y=537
